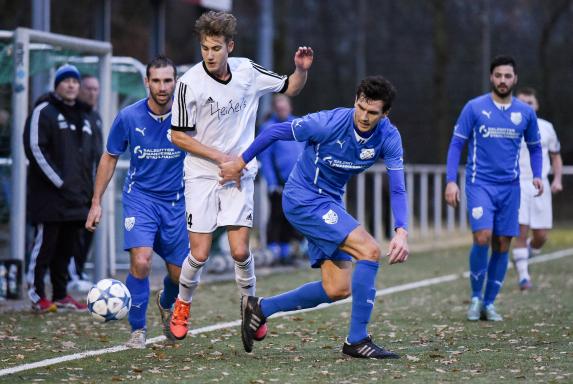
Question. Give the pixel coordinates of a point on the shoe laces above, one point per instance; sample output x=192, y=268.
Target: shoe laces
x=180, y=313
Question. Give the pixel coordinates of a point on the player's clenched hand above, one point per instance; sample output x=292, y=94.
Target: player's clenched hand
x=556, y=186
x=398, y=249
x=232, y=171
x=452, y=194
x=538, y=184
x=94, y=217
x=303, y=58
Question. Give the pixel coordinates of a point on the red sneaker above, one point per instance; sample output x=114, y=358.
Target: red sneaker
x=44, y=305
x=69, y=303
x=180, y=319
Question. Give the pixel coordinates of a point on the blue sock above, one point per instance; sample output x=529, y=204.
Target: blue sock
x=170, y=292
x=478, y=268
x=275, y=249
x=308, y=295
x=363, y=296
x=285, y=250
x=139, y=289
x=495, y=275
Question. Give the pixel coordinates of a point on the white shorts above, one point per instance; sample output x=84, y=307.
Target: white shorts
x=536, y=212
x=210, y=205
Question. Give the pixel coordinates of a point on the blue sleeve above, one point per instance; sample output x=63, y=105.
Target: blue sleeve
x=393, y=158
x=312, y=127
x=465, y=123
x=398, y=198
x=117, y=140
x=267, y=166
x=454, y=154
x=281, y=131
x=533, y=141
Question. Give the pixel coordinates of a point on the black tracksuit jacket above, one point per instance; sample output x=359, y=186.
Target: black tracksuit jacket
x=63, y=146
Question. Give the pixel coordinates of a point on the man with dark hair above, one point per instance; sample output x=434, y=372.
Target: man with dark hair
x=536, y=212
x=214, y=118
x=277, y=162
x=340, y=143
x=153, y=208
x=89, y=95
x=494, y=124
x=59, y=143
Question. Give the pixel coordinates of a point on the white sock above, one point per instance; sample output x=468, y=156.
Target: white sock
x=245, y=276
x=535, y=251
x=189, y=278
x=520, y=256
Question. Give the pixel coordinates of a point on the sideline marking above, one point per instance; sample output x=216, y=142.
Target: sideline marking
x=215, y=327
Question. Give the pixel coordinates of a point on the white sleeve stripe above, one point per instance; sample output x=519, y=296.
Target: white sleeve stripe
x=459, y=135
x=533, y=142
x=112, y=154
x=292, y=129
x=394, y=169
x=37, y=152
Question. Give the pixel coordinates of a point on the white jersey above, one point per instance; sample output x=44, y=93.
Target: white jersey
x=221, y=114
x=549, y=143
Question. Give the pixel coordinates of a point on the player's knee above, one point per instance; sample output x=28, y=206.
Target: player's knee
x=372, y=252
x=240, y=253
x=337, y=292
x=482, y=238
x=140, y=270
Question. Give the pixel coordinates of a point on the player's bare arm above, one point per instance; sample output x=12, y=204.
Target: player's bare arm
x=104, y=173
x=557, y=166
x=452, y=194
x=302, y=61
x=398, y=250
x=189, y=144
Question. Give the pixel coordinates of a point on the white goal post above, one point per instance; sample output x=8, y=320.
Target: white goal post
x=22, y=38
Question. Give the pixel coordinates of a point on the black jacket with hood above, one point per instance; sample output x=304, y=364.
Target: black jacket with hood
x=63, y=146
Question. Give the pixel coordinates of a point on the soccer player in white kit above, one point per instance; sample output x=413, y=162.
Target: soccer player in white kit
x=213, y=119
x=536, y=213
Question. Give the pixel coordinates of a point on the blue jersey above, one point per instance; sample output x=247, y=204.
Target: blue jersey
x=156, y=165
x=278, y=160
x=334, y=151
x=494, y=138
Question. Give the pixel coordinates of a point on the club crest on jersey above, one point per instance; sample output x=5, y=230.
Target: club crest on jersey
x=477, y=212
x=516, y=118
x=367, y=153
x=330, y=217
x=129, y=223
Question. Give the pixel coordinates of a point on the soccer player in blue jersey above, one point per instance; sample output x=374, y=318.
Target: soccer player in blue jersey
x=494, y=125
x=153, y=205
x=340, y=143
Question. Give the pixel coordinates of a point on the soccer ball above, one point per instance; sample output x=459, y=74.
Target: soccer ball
x=109, y=300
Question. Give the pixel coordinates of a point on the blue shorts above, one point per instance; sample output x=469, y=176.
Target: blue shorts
x=156, y=223
x=322, y=220
x=494, y=207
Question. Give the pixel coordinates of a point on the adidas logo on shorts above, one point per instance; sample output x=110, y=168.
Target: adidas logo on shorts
x=210, y=100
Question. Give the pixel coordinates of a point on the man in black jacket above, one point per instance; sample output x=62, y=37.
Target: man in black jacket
x=89, y=95
x=60, y=143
